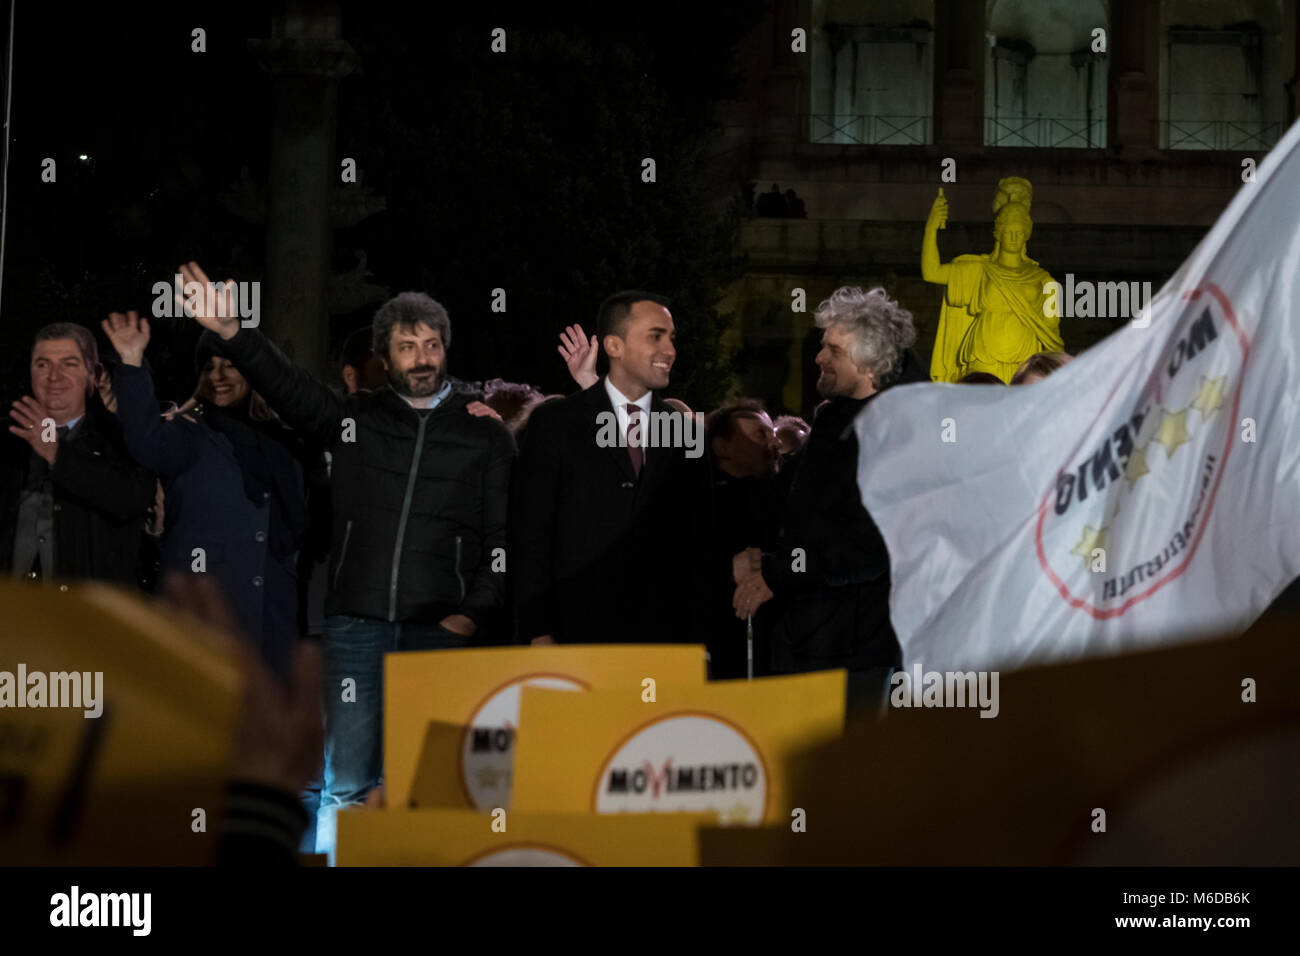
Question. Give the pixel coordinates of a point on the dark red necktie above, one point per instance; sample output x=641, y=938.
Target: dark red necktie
x=635, y=438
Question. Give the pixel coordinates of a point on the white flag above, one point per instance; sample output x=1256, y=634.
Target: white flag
x=1146, y=492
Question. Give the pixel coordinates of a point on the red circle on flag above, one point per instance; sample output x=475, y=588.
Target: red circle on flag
x=1104, y=613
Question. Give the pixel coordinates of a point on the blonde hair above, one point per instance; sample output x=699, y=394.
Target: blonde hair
x=1041, y=363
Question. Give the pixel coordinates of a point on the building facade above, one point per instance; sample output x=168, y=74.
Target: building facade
x=1133, y=119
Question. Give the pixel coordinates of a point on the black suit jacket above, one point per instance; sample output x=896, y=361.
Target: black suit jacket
x=100, y=499
x=599, y=555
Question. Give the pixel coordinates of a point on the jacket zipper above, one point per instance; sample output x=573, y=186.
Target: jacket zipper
x=401, y=522
x=458, y=574
x=343, y=553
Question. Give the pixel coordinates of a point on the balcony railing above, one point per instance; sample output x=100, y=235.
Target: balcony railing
x=1051, y=132
x=869, y=130
x=1219, y=134
x=1040, y=132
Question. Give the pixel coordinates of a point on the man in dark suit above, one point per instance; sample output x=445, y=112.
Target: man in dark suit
x=610, y=508
x=72, y=502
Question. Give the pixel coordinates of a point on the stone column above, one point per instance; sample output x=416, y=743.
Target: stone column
x=1134, y=40
x=305, y=56
x=959, y=72
x=788, y=79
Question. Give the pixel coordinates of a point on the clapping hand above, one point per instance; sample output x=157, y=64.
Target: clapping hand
x=34, y=424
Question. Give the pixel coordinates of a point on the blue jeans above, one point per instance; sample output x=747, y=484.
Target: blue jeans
x=354, y=647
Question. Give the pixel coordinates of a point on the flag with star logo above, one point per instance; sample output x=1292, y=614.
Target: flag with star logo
x=1147, y=492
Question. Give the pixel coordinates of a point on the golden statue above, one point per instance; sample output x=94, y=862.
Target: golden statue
x=994, y=313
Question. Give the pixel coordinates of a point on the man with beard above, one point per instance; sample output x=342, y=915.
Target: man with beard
x=830, y=562
x=419, y=488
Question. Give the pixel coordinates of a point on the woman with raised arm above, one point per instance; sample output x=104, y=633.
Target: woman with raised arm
x=233, y=485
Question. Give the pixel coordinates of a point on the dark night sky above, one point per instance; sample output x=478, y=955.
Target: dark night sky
x=513, y=174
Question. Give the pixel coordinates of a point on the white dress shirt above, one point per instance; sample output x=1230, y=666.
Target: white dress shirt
x=620, y=403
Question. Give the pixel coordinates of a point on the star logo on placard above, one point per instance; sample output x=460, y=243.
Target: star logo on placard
x=1210, y=396
x=1172, y=431
x=1092, y=538
x=737, y=813
x=490, y=777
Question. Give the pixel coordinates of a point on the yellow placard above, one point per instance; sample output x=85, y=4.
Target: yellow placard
x=716, y=747
x=476, y=691
x=468, y=838
x=120, y=752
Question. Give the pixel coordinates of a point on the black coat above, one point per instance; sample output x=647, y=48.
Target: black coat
x=100, y=499
x=419, y=497
x=747, y=515
x=831, y=566
x=599, y=555
x=248, y=543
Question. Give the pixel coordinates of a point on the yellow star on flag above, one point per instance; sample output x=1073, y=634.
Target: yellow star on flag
x=1209, y=396
x=1137, y=466
x=1172, y=431
x=1092, y=539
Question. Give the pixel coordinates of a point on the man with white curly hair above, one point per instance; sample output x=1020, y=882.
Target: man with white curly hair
x=831, y=563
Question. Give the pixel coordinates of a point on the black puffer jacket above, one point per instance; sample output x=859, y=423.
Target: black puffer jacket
x=419, y=497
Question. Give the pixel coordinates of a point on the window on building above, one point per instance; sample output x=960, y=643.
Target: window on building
x=873, y=83
x=1214, y=96
x=1044, y=84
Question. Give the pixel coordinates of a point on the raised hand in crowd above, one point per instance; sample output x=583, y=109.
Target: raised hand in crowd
x=212, y=308
x=579, y=355
x=128, y=334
